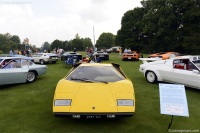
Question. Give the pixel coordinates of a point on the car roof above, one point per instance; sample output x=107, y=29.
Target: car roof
x=11, y=58
x=96, y=64
x=71, y=52
x=178, y=57
x=45, y=53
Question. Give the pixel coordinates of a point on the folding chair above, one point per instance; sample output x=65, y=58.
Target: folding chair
x=71, y=61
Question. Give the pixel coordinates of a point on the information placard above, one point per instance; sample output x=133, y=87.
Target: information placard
x=173, y=100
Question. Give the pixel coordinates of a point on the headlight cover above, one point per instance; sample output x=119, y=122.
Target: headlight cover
x=62, y=102
x=125, y=102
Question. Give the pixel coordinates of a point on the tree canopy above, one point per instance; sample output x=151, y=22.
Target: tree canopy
x=9, y=42
x=162, y=25
x=106, y=40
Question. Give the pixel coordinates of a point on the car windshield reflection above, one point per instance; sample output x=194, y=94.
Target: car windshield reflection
x=95, y=73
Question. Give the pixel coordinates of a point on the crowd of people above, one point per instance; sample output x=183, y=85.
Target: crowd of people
x=88, y=50
x=26, y=52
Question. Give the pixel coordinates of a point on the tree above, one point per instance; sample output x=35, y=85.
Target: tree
x=16, y=41
x=131, y=30
x=68, y=45
x=56, y=44
x=6, y=44
x=162, y=25
x=45, y=46
x=191, y=28
x=87, y=42
x=105, y=40
x=78, y=44
x=77, y=36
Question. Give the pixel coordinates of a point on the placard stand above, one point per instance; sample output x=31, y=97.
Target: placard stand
x=170, y=123
x=173, y=100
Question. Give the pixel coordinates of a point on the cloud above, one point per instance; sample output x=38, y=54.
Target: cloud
x=46, y=20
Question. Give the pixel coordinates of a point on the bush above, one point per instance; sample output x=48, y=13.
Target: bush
x=1, y=52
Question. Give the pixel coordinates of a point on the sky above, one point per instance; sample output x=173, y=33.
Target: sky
x=47, y=20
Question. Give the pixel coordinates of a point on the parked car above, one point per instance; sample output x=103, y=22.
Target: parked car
x=101, y=55
x=165, y=55
x=130, y=55
x=192, y=57
x=66, y=55
x=19, y=70
x=176, y=70
x=94, y=90
x=116, y=49
x=17, y=55
x=108, y=50
x=43, y=58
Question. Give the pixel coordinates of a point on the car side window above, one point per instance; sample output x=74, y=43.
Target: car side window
x=13, y=64
x=26, y=63
x=182, y=64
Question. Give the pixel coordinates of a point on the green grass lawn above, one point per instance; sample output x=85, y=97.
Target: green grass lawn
x=27, y=108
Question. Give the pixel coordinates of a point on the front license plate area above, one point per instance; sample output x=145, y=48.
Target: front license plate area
x=129, y=58
x=93, y=116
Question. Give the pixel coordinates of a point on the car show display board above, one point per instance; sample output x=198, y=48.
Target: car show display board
x=173, y=100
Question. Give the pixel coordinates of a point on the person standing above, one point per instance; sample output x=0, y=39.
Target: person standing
x=27, y=53
x=120, y=52
x=11, y=52
x=74, y=49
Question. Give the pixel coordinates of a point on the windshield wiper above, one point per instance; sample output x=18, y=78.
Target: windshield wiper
x=82, y=79
x=100, y=81
x=88, y=80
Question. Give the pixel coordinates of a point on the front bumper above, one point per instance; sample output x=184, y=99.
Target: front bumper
x=94, y=115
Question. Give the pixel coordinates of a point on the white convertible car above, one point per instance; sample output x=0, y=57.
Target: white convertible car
x=19, y=70
x=180, y=70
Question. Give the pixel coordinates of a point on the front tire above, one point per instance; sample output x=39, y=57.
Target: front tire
x=151, y=77
x=42, y=62
x=31, y=76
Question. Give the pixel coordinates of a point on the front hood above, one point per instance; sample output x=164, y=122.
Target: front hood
x=94, y=97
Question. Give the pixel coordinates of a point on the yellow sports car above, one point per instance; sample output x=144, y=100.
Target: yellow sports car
x=94, y=90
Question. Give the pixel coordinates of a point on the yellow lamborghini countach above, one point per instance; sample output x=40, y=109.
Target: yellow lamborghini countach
x=94, y=90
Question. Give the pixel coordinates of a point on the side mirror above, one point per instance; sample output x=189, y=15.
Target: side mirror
x=195, y=71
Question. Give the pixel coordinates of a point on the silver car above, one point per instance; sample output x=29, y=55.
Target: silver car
x=19, y=70
x=43, y=58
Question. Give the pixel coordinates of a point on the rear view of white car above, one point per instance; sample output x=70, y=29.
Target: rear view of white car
x=176, y=70
x=43, y=58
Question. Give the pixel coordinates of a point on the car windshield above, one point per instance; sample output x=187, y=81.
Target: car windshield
x=129, y=52
x=95, y=74
x=197, y=63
